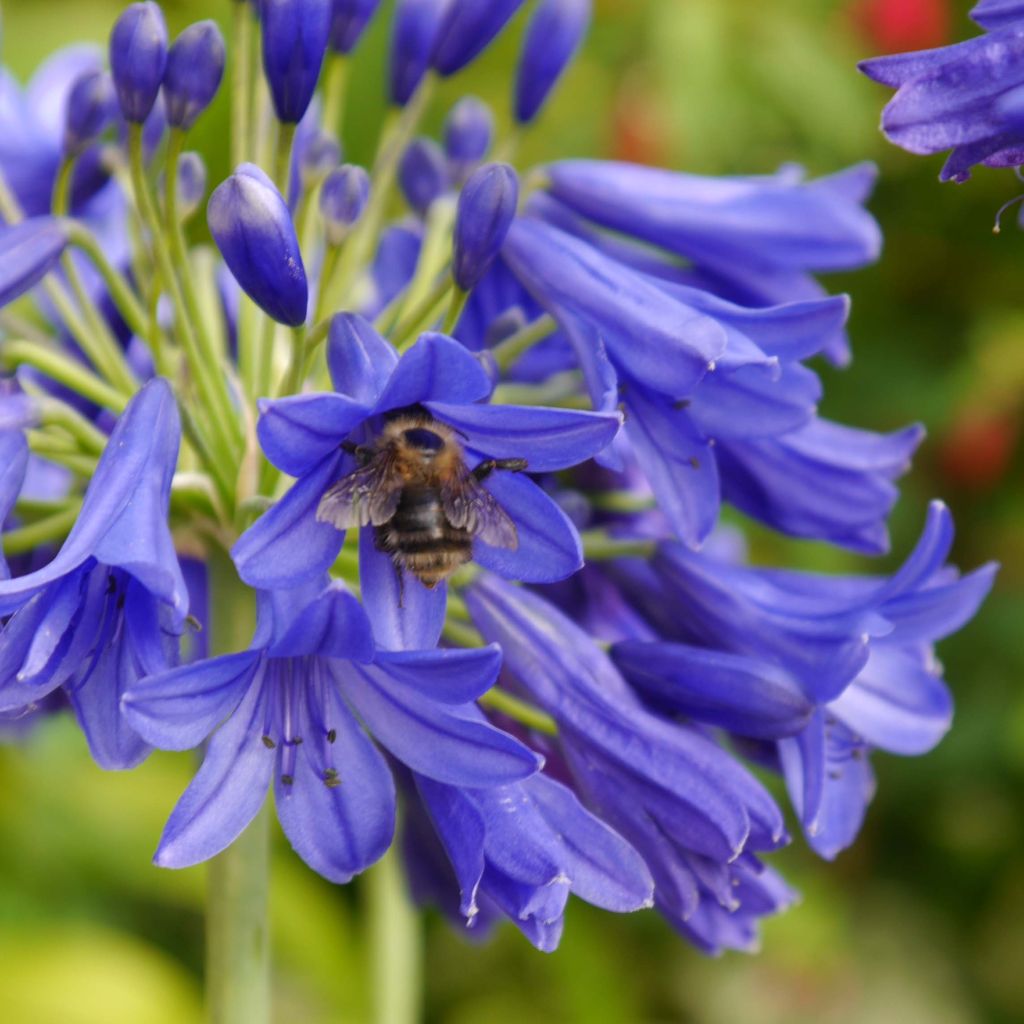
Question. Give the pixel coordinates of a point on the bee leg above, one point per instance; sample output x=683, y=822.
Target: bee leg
x=360, y=451
x=488, y=466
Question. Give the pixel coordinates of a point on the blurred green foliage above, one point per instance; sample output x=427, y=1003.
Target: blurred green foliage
x=921, y=922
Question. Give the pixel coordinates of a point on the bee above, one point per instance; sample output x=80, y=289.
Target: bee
x=412, y=485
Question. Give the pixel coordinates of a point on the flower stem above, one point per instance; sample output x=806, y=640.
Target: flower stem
x=237, y=939
x=395, y=945
x=507, y=352
x=241, y=93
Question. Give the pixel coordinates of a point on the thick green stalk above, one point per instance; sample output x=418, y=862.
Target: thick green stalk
x=335, y=83
x=241, y=92
x=237, y=937
x=53, y=528
x=64, y=370
x=516, y=345
x=395, y=945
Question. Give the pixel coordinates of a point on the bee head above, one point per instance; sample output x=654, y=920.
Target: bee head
x=424, y=440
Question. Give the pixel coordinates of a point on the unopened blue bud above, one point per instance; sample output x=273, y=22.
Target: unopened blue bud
x=28, y=252
x=138, y=57
x=319, y=154
x=468, y=132
x=416, y=25
x=343, y=198
x=423, y=174
x=91, y=107
x=294, y=45
x=195, y=67
x=556, y=30
x=191, y=183
x=487, y=207
x=468, y=28
x=349, y=19
x=253, y=229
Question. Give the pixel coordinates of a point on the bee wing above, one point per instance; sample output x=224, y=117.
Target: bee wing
x=366, y=497
x=468, y=506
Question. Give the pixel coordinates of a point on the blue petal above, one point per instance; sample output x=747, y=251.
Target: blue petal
x=996, y=13
x=549, y=439
x=445, y=743
x=653, y=337
x=28, y=252
x=406, y=615
x=803, y=765
x=549, y=546
x=435, y=369
x=297, y=432
x=741, y=694
x=604, y=869
x=226, y=793
x=13, y=463
x=340, y=828
x=332, y=626
x=449, y=675
x=936, y=611
x=678, y=463
x=898, y=702
x=286, y=546
x=360, y=361
x=466, y=31
x=177, y=710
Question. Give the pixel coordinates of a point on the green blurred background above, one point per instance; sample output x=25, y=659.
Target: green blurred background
x=922, y=920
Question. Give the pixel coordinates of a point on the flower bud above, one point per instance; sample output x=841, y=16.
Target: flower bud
x=343, y=198
x=423, y=174
x=468, y=132
x=29, y=250
x=416, y=25
x=91, y=106
x=349, y=19
x=468, y=28
x=253, y=229
x=294, y=45
x=191, y=184
x=195, y=67
x=318, y=155
x=487, y=206
x=555, y=31
x=138, y=57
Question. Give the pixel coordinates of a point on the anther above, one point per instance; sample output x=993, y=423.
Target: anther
x=331, y=778
x=269, y=743
x=287, y=780
x=332, y=735
x=1002, y=209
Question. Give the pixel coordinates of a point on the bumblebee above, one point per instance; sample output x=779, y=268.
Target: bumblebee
x=412, y=485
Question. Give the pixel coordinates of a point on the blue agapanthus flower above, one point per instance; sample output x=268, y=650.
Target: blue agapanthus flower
x=458, y=437
x=966, y=98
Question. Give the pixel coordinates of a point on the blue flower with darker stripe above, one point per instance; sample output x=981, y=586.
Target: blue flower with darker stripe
x=410, y=446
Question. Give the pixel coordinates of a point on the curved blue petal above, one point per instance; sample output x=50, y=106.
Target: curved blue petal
x=177, y=710
x=406, y=615
x=332, y=626
x=227, y=792
x=444, y=742
x=744, y=695
x=898, y=702
x=28, y=252
x=549, y=439
x=286, y=546
x=338, y=811
x=360, y=361
x=435, y=369
x=679, y=464
x=448, y=675
x=13, y=463
x=295, y=433
x=549, y=546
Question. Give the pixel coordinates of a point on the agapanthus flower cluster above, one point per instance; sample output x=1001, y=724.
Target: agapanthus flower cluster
x=456, y=437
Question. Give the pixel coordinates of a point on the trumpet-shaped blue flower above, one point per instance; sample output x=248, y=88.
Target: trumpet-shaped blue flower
x=295, y=34
x=677, y=797
x=555, y=32
x=468, y=133
x=349, y=19
x=91, y=108
x=195, y=67
x=286, y=710
x=108, y=609
x=302, y=435
x=486, y=207
x=415, y=29
x=343, y=197
x=138, y=57
x=468, y=28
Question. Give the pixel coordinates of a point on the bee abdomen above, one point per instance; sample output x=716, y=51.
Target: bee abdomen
x=420, y=538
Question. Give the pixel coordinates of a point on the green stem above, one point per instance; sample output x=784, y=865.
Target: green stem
x=507, y=352
x=520, y=711
x=335, y=83
x=395, y=945
x=237, y=937
x=598, y=546
x=52, y=528
x=64, y=370
x=456, y=305
x=56, y=413
x=283, y=156
x=241, y=92
x=425, y=314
